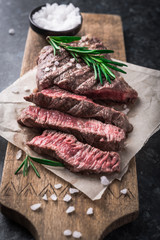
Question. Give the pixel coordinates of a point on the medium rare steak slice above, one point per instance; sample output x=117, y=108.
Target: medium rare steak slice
x=93, y=132
x=78, y=106
x=78, y=157
x=62, y=70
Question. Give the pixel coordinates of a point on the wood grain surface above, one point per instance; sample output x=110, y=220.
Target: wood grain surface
x=18, y=193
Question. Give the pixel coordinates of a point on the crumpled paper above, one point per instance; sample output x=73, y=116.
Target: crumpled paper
x=144, y=115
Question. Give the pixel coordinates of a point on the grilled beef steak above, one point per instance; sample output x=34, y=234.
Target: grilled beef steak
x=93, y=132
x=78, y=106
x=78, y=157
x=63, y=71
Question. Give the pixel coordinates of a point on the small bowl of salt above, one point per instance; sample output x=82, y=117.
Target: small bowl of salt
x=56, y=20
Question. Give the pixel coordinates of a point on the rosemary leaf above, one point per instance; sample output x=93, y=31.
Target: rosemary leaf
x=95, y=71
x=20, y=167
x=108, y=71
x=100, y=75
x=34, y=168
x=47, y=162
x=116, y=69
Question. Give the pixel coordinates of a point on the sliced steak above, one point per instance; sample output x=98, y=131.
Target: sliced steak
x=78, y=157
x=78, y=106
x=79, y=78
x=93, y=132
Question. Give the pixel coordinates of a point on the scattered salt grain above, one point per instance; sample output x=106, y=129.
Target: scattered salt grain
x=104, y=181
x=73, y=190
x=57, y=17
x=47, y=69
x=67, y=233
x=72, y=60
x=15, y=90
x=124, y=106
x=90, y=211
x=56, y=63
x=11, y=31
x=45, y=197
x=126, y=111
x=26, y=89
x=124, y=191
x=58, y=186
x=83, y=38
x=19, y=154
x=53, y=197
x=35, y=207
x=78, y=66
x=67, y=198
x=77, y=234
x=70, y=209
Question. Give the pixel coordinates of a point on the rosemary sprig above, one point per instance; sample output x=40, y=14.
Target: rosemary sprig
x=27, y=162
x=93, y=58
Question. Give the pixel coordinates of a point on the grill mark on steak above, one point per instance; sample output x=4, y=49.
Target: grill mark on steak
x=78, y=106
x=93, y=132
x=81, y=81
x=76, y=156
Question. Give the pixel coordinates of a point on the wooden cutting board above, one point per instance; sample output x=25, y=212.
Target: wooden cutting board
x=18, y=193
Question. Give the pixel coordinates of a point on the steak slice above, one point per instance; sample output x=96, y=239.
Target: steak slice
x=79, y=78
x=93, y=132
x=78, y=157
x=78, y=106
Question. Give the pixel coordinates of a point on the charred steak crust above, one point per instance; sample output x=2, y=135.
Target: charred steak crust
x=80, y=80
x=78, y=106
x=76, y=156
x=103, y=136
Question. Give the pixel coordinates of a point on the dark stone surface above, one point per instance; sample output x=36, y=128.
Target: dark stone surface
x=141, y=23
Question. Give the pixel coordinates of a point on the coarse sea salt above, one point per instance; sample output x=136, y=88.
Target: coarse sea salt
x=90, y=211
x=58, y=186
x=77, y=234
x=124, y=191
x=67, y=233
x=78, y=66
x=104, y=181
x=35, y=207
x=47, y=69
x=72, y=60
x=45, y=197
x=73, y=190
x=53, y=197
x=56, y=63
x=67, y=198
x=19, y=154
x=11, y=31
x=57, y=17
x=26, y=89
x=70, y=209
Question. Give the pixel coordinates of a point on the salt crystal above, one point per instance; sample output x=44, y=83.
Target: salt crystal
x=26, y=89
x=15, y=90
x=35, y=207
x=124, y=106
x=104, y=181
x=70, y=209
x=54, y=68
x=53, y=197
x=56, y=63
x=126, y=111
x=72, y=60
x=83, y=38
x=77, y=234
x=57, y=186
x=67, y=232
x=47, y=69
x=90, y=211
x=11, y=31
x=124, y=191
x=45, y=197
x=78, y=66
x=67, y=198
x=19, y=154
x=73, y=190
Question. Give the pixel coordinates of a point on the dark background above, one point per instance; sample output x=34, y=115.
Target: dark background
x=141, y=24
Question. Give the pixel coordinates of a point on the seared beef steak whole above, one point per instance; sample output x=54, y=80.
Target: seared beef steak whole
x=78, y=157
x=93, y=132
x=78, y=106
x=79, y=78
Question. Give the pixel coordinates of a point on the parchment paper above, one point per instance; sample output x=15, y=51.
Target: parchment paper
x=144, y=115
